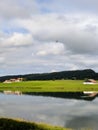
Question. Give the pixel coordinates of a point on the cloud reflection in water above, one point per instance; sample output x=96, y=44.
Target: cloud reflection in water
x=69, y=113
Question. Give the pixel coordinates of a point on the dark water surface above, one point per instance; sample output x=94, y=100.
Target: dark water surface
x=71, y=113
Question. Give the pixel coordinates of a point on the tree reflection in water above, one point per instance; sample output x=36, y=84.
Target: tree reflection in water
x=89, y=96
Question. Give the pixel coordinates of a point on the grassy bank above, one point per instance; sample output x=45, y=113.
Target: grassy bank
x=10, y=124
x=49, y=86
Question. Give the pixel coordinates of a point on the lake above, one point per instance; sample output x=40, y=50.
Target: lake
x=70, y=113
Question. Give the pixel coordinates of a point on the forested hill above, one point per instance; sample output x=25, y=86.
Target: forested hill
x=76, y=74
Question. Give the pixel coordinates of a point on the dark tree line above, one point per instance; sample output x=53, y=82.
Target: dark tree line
x=76, y=74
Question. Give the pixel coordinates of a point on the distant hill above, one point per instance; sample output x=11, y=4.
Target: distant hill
x=74, y=74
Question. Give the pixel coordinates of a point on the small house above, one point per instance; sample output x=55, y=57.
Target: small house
x=13, y=80
x=89, y=81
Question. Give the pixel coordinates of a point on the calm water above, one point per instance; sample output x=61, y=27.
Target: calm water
x=71, y=113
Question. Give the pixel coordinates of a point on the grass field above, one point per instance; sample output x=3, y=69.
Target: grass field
x=10, y=124
x=49, y=86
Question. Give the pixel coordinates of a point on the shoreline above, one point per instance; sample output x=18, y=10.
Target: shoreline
x=19, y=124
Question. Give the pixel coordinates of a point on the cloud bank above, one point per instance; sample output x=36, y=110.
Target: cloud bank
x=39, y=36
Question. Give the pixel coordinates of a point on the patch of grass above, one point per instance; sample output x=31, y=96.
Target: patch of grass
x=49, y=86
x=11, y=124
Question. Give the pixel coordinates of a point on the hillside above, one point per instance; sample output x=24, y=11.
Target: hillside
x=76, y=74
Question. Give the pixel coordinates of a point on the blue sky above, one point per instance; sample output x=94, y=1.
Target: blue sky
x=30, y=29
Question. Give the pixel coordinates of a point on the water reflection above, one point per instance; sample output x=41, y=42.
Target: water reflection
x=57, y=111
x=89, y=96
x=85, y=122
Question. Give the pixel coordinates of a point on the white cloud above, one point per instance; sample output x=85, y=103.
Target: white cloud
x=17, y=40
x=76, y=38
x=2, y=60
x=50, y=48
x=17, y=9
x=30, y=29
x=78, y=33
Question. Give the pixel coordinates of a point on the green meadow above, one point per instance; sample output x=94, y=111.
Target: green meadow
x=49, y=86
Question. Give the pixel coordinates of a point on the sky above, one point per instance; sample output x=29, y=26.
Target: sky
x=40, y=36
